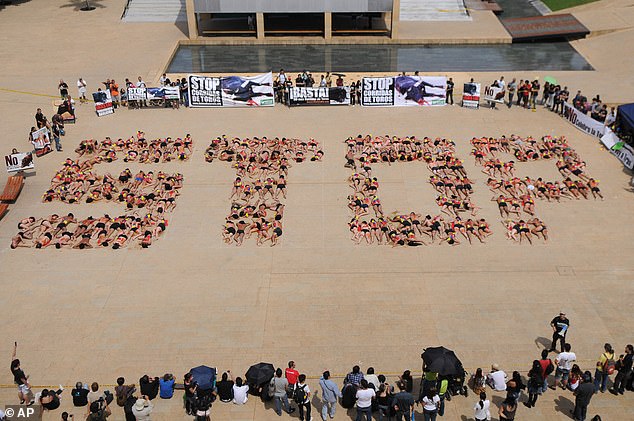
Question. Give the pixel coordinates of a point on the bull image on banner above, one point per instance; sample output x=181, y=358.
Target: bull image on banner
x=231, y=91
x=19, y=161
x=494, y=94
x=338, y=95
x=420, y=90
x=377, y=91
x=155, y=96
x=471, y=95
x=103, y=103
x=41, y=141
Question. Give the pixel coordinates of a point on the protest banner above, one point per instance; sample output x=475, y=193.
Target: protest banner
x=583, y=122
x=19, y=161
x=471, y=95
x=494, y=94
x=231, y=91
x=618, y=148
x=41, y=141
x=377, y=91
x=103, y=103
x=420, y=91
x=338, y=95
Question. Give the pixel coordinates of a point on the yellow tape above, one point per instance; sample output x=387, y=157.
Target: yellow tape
x=36, y=94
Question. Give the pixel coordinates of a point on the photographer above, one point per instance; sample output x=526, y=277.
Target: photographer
x=99, y=411
x=142, y=409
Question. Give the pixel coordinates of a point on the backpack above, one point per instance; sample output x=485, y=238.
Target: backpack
x=97, y=416
x=121, y=398
x=549, y=368
x=609, y=365
x=299, y=394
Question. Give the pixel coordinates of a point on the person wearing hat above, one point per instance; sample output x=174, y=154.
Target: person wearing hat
x=142, y=409
x=497, y=378
x=560, y=325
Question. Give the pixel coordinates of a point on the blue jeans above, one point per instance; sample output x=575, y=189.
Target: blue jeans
x=328, y=408
x=544, y=386
x=600, y=379
x=58, y=144
x=186, y=98
x=430, y=415
x=367, y=411
x=278, y=404
x=441, y=410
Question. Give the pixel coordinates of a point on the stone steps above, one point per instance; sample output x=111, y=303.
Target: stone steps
x=433, y=10
x=155, y=11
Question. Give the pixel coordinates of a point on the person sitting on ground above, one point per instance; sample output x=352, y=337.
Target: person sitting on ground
x=80, y=394
x=97, y=413
x=354, y=377
x=225, y=387
x=166, y=386
x=496, y=379
x=373, y=380
x=49, y=399
x=240, y=392
x=94, y=395
x=149, y=386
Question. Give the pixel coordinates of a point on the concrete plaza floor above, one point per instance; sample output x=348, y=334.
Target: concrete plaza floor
x=316, y=298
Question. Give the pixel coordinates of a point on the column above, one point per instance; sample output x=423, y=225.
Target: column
x=259, y=24
x=327, y=25
x=396, y=16
x=192, y=24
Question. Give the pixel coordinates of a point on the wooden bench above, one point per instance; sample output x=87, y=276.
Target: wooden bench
x=12, y=189
x=3, y=209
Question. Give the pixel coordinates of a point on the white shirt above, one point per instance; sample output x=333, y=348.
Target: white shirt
x=81, y=84
x=499, y=380
x=431, y=404
x=364, y=397
x=565, y=360
x=140, y=84
x=281, y=77
x=481, y=413
x=162, y=80
x=501, y=84
x=144, y=414
x=240, y=394
x=373, y=379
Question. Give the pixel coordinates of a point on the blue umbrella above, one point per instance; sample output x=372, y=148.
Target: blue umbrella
x=204, y=376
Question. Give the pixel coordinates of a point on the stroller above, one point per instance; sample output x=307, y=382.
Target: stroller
x=457, y=384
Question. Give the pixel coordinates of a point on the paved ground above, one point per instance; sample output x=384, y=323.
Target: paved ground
x=316, y=298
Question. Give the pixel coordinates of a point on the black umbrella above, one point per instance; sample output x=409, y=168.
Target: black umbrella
x=442, y=361
x=260, y=373
x=339, y=74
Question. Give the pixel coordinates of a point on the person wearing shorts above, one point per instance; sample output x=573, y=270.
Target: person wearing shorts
x=564, y=363
x=81, y=87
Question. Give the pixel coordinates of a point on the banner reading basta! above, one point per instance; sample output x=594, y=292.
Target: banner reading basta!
x=231, y=91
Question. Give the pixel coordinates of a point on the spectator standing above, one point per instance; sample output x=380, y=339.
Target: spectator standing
x=81, y=88
x=365, y=396
x=605, y=367
x=449, y=95
x=21, y=379
x=564, y=363
x=358, y=86
x=322, y=82
x=329, y=394
x=583, y=395
x=496, y=379
x=353, y=94
x=535, y=88
x=279, y=386
x=63, y=89
x=431, y=403
x=482, y=408
x=547, y=368
x=225, y=387
x=55, y=129
x=384, y=399
x=560, y=325
x=184, y=92
x=354, y=377
x=624, y=365
x=511, y=89
x=142, y=409
x=339, y=81
x=574, y=380
x=163, y=80
x=191, y=393
x=97, y=413
x=403, y=402
x=301, y=396
x=507, y=410
x=79, y=394
x=114, y=92
x=141, y=84
x=281, y=77
x=123, y=391
x=166, y=386
x=240, y=392
x=520, y=92
x=328, y=79
x=535, y=382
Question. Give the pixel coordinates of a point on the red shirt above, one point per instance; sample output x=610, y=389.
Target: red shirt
x=545, y=364
x=291, y=375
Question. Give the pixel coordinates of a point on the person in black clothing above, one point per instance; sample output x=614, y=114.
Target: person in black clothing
x=19, y=378
x=149, y=386
x=624, y=366
x=450, y=86
x=225, y=387
x=535, y=384
x=403, y=402
x=80, y=395
x=127, y=408
x=63, y=89
x=408, y=381
x=49, y=399
x=583, y=394
x=560, y=325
